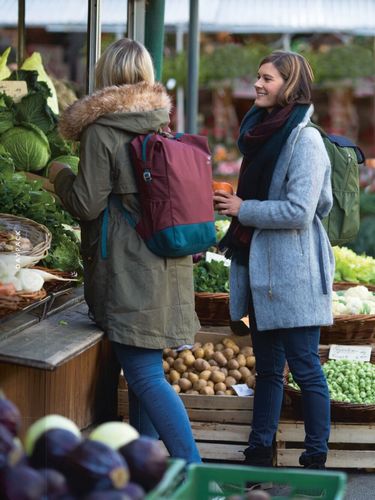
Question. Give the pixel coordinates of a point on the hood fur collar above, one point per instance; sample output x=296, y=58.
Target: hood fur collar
x=138, y=97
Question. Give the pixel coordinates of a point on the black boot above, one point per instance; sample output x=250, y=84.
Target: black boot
x=316, y=461
x=259, y=457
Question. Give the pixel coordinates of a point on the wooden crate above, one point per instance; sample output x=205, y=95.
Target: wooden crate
x=221, y=424
x=352, y=446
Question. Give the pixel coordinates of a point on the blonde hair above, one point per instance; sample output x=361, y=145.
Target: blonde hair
x=124, y=62
x=297, y=73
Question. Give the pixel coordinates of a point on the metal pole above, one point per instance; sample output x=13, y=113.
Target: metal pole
x=180, y=89
x=154, y=33
x=193, y=68
x=21, y=33
x=93, y=42
x=136, y=20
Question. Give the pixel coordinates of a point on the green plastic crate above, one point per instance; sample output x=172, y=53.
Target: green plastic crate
x=173, y=478
x=209, y=482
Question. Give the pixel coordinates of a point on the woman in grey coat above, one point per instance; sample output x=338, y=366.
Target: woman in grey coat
x=282, y=262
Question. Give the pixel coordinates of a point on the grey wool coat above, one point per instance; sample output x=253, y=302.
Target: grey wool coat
x=136, y=297
x=291, y=264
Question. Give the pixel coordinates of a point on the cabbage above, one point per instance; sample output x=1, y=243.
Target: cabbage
x=70, y=160
x=4, y=70
x=28, y=146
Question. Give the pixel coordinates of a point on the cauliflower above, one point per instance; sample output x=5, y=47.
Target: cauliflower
x=358, y=291
x=339, y=308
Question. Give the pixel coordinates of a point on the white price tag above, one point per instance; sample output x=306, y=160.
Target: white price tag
x=350, y=352
x=242, y=390
x=183, y=347
x=218, y=257
x=15, y=89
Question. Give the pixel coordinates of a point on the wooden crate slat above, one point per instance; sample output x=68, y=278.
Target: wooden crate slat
x=340, y=433
x=207, y=431
x=346, y=459
x=217, y=402
x=220, y=451
x=223, y=416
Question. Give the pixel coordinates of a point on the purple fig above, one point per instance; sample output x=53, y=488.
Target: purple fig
x=21, y=483
x=11, y=451
x=107, y=495
x=10, y=415
x=55, y=484
x=95, y=466
x=146, y=460
x=51, y=448
x=134, y=491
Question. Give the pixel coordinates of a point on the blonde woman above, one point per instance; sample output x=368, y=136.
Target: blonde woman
x=143, y=302
x=282, y=262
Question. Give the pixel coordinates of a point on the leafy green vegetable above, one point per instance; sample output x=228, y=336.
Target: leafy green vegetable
x=211, y=277
x=28, y=146
x=31, y=79
x=65, y=254
x=58, y=145
x=33, y=108
x=70, y=160
x=352, y=267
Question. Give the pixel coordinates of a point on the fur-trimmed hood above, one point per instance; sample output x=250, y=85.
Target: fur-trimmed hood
x=138, y=108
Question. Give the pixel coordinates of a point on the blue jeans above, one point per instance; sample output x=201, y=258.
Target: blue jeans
x=154, y=407
x=299, y=347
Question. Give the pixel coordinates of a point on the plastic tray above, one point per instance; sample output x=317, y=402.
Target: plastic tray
x=171, y=481
x=209, y=482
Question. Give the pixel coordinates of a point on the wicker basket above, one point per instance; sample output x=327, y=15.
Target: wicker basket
x=340, y=411
x=212, y=308
x=353, y=329
x=18, y=301
x=38, y=234
x=344, y=285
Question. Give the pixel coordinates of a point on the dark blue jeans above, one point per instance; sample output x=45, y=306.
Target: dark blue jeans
x=299, y=347
x=154, y=407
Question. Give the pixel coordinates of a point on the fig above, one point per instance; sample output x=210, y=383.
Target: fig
x=146, y=460
x=21, y=483
x=44, y=424
x=10, y=415
x=94, y=466
x=114, y=434
x=51, y=448
x=55, y=484
x=11, y=451
x=134, y=491
x=107, y=495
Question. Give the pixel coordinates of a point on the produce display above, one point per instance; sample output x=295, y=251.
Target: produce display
x=352, y=267
x=348, y=381
x=211, y=277
x=58, y=463
x=354, y=300
x=210, y=368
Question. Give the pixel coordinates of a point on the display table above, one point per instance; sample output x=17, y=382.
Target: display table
x=62, y=364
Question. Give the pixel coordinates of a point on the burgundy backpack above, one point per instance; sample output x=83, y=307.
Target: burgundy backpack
x=174, y=177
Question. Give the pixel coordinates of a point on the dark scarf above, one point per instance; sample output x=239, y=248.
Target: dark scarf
x=262, y=136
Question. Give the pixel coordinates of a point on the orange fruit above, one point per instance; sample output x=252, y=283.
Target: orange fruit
x=222, y=186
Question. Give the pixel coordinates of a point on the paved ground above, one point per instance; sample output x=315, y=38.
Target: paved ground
x=361, y=486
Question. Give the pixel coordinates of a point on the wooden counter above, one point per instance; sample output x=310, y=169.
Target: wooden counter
x=62, y=364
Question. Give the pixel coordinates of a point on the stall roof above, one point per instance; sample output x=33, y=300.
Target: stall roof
x=237, y=16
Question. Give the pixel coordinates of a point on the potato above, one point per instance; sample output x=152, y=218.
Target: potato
x=177, y=388
x=229, y=381
x=230, y=392
x=179, y=365
x=207, y=391
x=189, y=359
x=250, y=381
x=224, y=370
x=199, y=384
x=220, y=387
x=166, y=366
x=170, y=361
x=220, y=359
x=184, y=375
x=235, y=374
x=185, y=384
x=233, y=364
x=193, y=377
x=196, y=345
x=169, y=353
x=228, y=352
x=205, y=374
x=174, y=376
x=230, y=343
x=198, y=353
x=219, y=347
x=209, y=346
x=191, y=391
x=210, y=383
x=201, y=364
x=250, y=361
x=217, y=376
x=220, y=393
x=214, y=368
x=245, y=372
x=241, y=359
x=247, y=350
x=212, y=362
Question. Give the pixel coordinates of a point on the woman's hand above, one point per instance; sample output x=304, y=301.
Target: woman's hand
x=54, y=169
x=227, y=204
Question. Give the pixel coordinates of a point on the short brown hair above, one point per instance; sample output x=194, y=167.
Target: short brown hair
x=297, y=73
x=124, y=62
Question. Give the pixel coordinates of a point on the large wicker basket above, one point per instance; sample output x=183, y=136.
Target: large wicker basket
x=352, y=329
x=19, y=301
x=212, y=308
x=39, y=236
x=340, y=411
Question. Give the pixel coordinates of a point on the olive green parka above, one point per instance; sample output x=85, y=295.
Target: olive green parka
x=136, y=297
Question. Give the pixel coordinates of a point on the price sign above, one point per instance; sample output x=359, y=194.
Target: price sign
x=242, y=390
x=14, y=89
x=350, y=352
